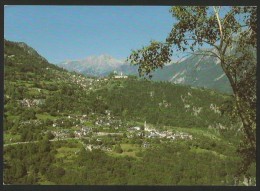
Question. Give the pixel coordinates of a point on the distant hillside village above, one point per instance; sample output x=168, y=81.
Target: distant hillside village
x=114, y=128
x=113, y=75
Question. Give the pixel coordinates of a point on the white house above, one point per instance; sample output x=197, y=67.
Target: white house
x=120, y=76
x=137, y=128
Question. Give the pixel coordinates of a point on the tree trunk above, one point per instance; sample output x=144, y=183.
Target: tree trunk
x=247, y=122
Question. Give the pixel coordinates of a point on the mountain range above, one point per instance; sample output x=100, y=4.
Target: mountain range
x=93, y=65
x=196, y=70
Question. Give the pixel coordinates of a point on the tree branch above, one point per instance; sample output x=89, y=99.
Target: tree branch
x=220, y=26
x=230, y=13
x=190, y=39
x=212, y=53
x=201, y=54
x=211, y=44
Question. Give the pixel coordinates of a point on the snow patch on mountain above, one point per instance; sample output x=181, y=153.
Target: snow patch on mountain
x=218, y=78
x=180, y=80
x=176, y=75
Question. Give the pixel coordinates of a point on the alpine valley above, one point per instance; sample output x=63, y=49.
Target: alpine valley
x=196, y=70
x=85, y=125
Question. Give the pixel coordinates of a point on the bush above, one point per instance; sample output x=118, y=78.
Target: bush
x=50, y=135
x=59, y=171
x=118, y=149
x=139, y=154
x=29, y=114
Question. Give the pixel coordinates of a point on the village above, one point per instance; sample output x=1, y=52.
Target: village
x=104, y=129
x=95, y=128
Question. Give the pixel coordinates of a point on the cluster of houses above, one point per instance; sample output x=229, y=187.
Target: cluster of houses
x=83, y=131
x=65, y=133
x=102, y=122
x=146, y=145
x=153, y=133
x=106, y=133
x=108, y=121
x=76, y=79
x=102, y=147
x=121, y=76
x=134, y=131
x=82, y=81
x=77, y=119
x=61, y=134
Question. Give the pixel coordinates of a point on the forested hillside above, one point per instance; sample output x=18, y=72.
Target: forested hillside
x=163, y=103
x=65, y=128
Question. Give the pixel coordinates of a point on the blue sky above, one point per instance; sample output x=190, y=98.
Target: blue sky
x=74, y=32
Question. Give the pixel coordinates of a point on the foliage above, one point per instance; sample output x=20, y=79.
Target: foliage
x=166, y=164
x=232, y=35
x=118, y=149
x=58, y=103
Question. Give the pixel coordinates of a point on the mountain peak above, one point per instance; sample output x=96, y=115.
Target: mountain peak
x=93, y=65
